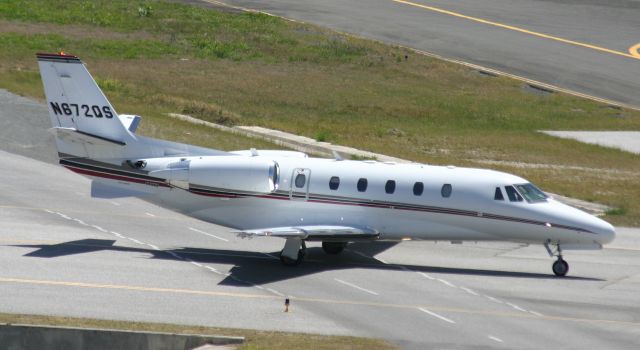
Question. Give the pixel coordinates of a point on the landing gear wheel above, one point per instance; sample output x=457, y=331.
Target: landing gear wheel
x=560, y=267
x=333, y=247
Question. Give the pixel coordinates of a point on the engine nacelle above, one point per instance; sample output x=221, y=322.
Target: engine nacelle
x=237, y=173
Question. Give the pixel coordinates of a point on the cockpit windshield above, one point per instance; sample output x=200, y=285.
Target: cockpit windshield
x=531, y=193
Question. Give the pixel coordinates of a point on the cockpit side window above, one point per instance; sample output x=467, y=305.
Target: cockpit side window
x=498, y=195
x=513, y=195
x=531, y=193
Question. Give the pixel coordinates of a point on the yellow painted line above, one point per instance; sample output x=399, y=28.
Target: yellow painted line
x=133, y=288
x=635, y=50
x=309, y=300
x=517, y=29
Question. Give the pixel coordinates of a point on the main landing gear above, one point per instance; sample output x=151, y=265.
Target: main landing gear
x=333, y=248
x=293, y=252
x=559, y=267
x=295, y=249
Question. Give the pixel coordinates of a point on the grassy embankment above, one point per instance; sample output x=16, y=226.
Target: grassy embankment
x=253, y=339
x=252, y=69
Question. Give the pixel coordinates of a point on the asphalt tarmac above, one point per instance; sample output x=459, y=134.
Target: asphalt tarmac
x=63, y=253
x=591, y=47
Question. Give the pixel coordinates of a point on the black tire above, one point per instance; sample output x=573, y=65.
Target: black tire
x=560, y=267
x=333, y=247
x=291, y=262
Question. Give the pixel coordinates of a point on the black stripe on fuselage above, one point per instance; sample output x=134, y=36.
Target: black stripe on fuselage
x=96, y=168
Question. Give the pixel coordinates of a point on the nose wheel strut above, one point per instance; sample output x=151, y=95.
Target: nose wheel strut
x=560, y=267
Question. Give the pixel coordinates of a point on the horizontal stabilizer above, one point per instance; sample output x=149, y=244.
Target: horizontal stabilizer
x=73, y=135
x=323, y=233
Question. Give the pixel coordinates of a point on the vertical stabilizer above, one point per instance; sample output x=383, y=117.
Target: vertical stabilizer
x=76, y=102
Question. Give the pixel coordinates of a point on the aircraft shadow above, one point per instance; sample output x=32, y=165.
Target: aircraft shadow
x=263, y=268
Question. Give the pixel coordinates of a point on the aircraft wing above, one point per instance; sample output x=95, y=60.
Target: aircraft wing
x=314, y=232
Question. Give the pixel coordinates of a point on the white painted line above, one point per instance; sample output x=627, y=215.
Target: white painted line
x=271, y=256
x=354, y=286
x=154, y=247
x=196, y=263
x=153, y=216
x=81, y=222
x=49, y=211
x=383, y=261
x=259, y=287
x=99, y=228
x=115, y=203
x=275, y=292
x=175, y=255
x=211, y=268
x=436, y=315
x=117, y=234
x=427, y=276
x=135, y=241
x=470, y=291
x=536, y=313
x=496, y=339
x=516, y=307
x=446, y=282
x=494, y=299
x=208, y=234
x=362, y=254
x=64, y=216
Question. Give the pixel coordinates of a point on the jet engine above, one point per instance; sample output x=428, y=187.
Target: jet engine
x=237, y=173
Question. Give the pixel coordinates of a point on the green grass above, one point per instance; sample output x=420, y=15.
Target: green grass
x=254, y=69
x=253, y=339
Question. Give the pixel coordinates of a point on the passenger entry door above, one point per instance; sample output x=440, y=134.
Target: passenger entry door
x=299, y=184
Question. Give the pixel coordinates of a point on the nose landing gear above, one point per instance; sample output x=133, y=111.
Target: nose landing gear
x=559, y=267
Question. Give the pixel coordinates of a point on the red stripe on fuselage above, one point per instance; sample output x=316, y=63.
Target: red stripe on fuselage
x=115, y=177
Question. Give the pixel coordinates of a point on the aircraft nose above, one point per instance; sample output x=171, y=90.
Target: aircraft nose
x=605, y=231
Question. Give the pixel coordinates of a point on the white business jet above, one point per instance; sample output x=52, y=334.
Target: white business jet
x=289, y=195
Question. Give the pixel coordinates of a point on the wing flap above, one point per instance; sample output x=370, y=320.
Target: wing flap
x=314, y=232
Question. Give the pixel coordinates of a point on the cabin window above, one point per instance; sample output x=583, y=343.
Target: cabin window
x=498, y=196
x=334, y=183
x=301, y=179
x=418, y=188
x=446, y=190
x=362, y=185
x=390, y=186
x=513, y=195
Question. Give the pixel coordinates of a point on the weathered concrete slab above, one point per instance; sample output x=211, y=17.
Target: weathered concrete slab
x=625, y=140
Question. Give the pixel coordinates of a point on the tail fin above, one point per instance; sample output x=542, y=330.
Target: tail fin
x=78, y=109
